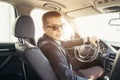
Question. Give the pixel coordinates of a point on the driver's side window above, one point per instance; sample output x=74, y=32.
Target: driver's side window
x=7, y=17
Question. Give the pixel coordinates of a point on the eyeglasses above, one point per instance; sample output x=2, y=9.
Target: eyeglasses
x=55, y=26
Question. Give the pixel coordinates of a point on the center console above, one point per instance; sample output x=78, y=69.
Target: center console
x=108, y=61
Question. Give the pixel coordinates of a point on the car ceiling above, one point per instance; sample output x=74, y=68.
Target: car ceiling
x=71, y=8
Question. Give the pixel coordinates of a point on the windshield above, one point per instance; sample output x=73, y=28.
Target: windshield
x=97, y=25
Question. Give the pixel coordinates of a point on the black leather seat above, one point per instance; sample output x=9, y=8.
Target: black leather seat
x=29, y=53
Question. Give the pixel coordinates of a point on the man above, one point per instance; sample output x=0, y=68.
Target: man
x=54, y=49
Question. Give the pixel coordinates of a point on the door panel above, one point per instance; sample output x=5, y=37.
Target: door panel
x=10, y=64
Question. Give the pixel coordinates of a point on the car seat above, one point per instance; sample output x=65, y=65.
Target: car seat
x=29, y=53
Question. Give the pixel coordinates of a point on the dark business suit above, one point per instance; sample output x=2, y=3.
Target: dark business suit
x=58, y=57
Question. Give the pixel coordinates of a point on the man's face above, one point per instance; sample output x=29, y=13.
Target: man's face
x=54, y=27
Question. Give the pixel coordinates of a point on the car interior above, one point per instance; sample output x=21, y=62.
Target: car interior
x=21, y=27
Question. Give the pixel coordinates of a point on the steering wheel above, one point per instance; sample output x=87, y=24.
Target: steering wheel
x=91, y=53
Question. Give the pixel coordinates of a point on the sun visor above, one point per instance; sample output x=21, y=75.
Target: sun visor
x=82, y=12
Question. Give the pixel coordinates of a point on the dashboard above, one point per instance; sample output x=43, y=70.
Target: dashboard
x=108, y=53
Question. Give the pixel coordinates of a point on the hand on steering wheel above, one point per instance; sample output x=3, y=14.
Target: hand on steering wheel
x=87, y=53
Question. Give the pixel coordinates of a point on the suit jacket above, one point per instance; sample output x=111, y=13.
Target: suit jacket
x=58, y=56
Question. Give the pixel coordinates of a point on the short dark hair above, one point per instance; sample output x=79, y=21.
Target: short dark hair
x=49, y=15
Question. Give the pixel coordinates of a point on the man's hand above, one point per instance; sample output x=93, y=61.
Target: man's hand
x=91, y=40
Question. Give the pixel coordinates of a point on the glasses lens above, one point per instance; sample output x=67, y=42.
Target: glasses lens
x=55, y=27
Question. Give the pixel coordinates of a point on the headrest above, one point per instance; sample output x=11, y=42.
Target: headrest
x=24, y=27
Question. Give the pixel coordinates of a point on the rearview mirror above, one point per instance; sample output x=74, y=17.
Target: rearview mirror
x=114, y=22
